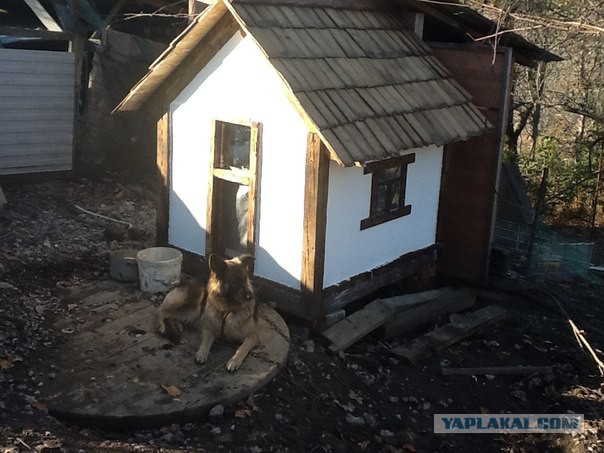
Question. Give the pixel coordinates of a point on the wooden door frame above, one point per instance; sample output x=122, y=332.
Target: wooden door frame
x=252, y=182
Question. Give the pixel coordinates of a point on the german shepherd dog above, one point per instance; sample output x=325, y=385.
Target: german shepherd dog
x=226, y=306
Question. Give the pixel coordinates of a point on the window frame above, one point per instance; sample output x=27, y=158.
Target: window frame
x=213, y=238
x=373, y=168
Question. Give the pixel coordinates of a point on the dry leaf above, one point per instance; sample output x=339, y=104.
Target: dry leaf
x=171, y=390
x=38, y=406
x=71, y=306
x=6, y=362
x=243, y=413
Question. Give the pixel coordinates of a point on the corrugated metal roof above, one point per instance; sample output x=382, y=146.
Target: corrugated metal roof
x=369, y=85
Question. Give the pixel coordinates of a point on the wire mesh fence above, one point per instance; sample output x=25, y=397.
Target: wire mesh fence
x=551, y=256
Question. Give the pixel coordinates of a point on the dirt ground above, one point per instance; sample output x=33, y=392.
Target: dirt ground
x=365, y=399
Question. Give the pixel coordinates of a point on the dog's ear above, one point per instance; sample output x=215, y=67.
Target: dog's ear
x=217, y=265
x=247, y=261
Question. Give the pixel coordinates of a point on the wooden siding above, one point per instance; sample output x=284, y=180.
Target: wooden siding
x=470, y=169
x=36, y=114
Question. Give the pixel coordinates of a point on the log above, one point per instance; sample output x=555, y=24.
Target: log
x=497, y=370
x=448, y=302
x=450, y=333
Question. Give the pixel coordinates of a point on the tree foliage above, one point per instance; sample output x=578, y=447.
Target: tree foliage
x=558, y=109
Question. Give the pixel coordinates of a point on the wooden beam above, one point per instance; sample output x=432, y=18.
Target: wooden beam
x=445, y=303
x=115, y=9
x=358, y=325
x=252, y=212
x=450, y=333
x=163, y=177
x=77, y=46
x=215, y=146
x=43, y=15
x=315, y=225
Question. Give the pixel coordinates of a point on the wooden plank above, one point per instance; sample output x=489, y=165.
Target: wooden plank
x=315, y=225
x=406, y=302
x=119, y=381
x=43, y=15
x=356, y=326
x=497, y=370
x=450, y=333
x=468, y=243
x=253, y=183
x=443, y=304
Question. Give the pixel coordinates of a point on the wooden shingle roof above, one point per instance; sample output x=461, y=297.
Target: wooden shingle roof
x=371, y=86
x=368, y=84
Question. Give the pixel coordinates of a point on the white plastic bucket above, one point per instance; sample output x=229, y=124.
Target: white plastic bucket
x=158, y=268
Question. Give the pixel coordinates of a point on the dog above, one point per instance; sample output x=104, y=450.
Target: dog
x=182, y=305
x=226, y=307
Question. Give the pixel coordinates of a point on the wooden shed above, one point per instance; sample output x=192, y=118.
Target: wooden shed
x=309, y=134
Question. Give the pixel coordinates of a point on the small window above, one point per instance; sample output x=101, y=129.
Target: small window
x=388, y=187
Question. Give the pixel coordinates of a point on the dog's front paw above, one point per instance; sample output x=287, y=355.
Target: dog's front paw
x=234, y=363
x=201, y=357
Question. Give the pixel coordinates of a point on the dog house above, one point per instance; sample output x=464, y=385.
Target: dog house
x=309, y=134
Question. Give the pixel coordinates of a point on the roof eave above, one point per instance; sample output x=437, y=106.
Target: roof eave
x=168, y=61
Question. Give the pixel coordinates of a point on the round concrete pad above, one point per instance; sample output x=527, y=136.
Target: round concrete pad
x=116, y=371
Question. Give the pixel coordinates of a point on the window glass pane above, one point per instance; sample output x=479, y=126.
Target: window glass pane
x=389, y=196
x=235, y=149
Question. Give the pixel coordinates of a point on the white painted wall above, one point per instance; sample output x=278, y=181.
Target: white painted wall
x=36, y=111
x=239, y=84
x=349, y=250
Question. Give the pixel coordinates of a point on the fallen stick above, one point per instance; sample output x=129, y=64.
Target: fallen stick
x=22, y=442
x=497, y=370
x=583, y=342
x=101, y=216
x=579, y=334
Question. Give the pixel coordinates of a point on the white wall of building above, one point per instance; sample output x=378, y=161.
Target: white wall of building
x=239, y=84
x=349, y=250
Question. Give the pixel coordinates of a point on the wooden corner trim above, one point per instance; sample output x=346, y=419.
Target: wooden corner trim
x=162, y=164
x=315, y=223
